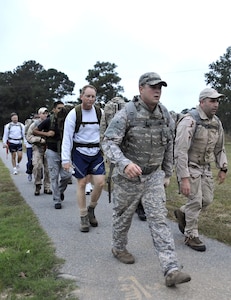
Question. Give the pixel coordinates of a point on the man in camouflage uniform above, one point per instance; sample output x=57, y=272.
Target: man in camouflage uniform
x=196, y=147
x=110, y=109
x=142, y=153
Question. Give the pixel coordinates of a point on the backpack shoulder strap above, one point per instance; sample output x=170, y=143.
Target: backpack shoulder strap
x=195, y=114
x=165, y=113
x=78, y=110
x=53, y=121
x=11, y=124
x=98, y=113
x=131, y=111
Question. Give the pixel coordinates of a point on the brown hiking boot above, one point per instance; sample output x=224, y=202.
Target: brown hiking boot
x=176, y=277
x=195, y=243
x=37, y=189
x=84, y=224
x=180, y=216
x=91, y=216
x=123, y=256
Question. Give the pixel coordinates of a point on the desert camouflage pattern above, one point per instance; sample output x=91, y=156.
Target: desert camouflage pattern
x=195, y=150
x=200, y=147
x=39, y=160
x=150, y=146
x=40, y=165
x=30, y=137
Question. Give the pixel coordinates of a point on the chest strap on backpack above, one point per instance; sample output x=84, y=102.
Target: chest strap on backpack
x=85, y=123
x=78, y=111
x=90, y=145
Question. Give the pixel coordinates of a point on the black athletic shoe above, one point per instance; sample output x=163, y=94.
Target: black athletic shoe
x=58, y=205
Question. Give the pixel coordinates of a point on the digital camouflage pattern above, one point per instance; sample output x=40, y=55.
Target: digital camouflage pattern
x=126, y=196
x=148, y=141
x=150, y=147
x=110, y=109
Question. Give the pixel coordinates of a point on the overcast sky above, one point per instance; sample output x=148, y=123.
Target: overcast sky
x=177, y=39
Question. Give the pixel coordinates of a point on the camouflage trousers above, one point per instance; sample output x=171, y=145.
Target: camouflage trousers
x=40, y=167
x=126, y=196
x=201, y=195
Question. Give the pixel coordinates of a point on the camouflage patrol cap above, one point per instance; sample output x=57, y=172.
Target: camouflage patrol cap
x=151, y=78
x=209, y=93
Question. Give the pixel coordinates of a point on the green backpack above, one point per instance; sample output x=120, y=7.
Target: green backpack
x=61, y=116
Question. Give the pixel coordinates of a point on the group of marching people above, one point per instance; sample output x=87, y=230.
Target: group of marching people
x=138, y=141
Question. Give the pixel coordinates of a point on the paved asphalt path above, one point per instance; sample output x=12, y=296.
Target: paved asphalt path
x=100, y=276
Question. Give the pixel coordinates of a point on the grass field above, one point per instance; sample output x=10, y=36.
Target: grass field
x=28, y=265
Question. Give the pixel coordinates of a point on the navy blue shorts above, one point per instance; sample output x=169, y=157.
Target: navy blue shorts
x=15, y=147
x=84, y=164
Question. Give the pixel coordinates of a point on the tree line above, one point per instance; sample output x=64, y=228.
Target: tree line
x=30, y=87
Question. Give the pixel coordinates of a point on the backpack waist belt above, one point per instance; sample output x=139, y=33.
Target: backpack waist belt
x=14, y=139
x=149, y=170
x=90, y=145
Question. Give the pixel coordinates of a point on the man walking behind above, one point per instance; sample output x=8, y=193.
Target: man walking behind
x=39, y=160
x=199, y=141
x=59, y=177
x=12, y=139
x=86, y=154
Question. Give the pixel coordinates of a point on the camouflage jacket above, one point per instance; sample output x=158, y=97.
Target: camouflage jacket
x=198, y=145
x=148, y=142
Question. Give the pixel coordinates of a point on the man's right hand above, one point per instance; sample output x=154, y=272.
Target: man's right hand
x=132, y=170
x=66, y=166
x=185, y=186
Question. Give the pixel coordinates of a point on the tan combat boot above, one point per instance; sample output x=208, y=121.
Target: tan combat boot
x=91, y=216
x=84, y=224
x=176, y=277
x=123, y=256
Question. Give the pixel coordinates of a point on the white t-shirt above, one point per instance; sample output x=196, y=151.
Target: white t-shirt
x=88, y=133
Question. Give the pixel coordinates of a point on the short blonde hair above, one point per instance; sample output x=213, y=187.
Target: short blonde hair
x=85, y=87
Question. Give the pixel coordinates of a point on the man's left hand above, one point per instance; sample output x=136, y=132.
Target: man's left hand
x=221, y=177
x=166, y=181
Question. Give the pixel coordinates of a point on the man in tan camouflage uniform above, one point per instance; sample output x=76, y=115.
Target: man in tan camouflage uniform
x=39, y=160
x=142, y=152
x=197, y=144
